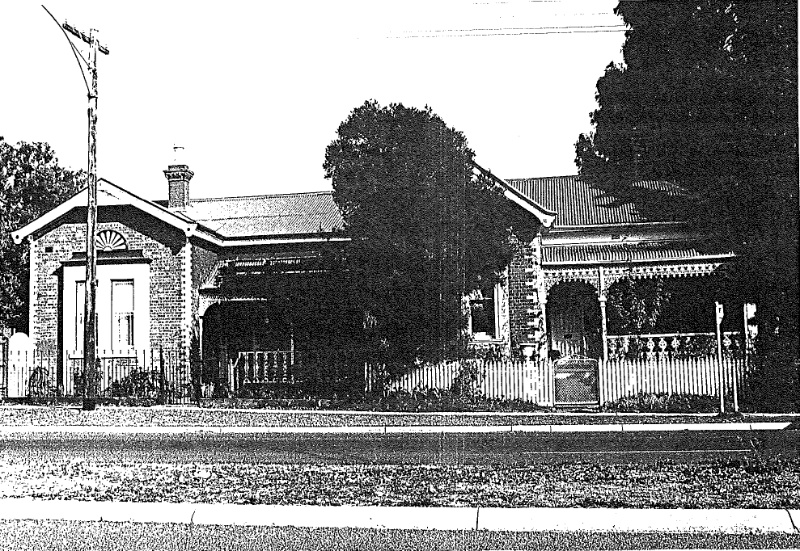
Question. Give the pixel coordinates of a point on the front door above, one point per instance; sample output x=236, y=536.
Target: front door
x=570, y=330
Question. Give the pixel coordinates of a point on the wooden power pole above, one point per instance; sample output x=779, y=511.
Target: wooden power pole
x=90, y=360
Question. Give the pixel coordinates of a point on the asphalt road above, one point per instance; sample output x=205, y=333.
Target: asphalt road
x=453, y=448
x=123, y=536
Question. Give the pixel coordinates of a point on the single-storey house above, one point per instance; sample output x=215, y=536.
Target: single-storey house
x=235, y=282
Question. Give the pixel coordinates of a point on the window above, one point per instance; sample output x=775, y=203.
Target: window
x=483, y=314
x=121, y=314
x=80, y=311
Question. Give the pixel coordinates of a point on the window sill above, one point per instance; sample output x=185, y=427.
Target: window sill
x=477, y=339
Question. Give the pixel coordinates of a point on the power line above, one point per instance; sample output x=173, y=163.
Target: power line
x=533, y=2
x=555, y=27
x=564, y=30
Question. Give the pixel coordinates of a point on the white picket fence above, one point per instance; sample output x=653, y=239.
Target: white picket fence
x=700, y=376
x=536, y=381
x=496, y=379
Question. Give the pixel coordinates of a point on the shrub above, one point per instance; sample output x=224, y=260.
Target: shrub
x=467, y=382
x=138, y=384
x=666, y=403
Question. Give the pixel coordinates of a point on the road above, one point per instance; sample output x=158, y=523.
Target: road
x=337, y=449
x=135, y=537
x=433, y=448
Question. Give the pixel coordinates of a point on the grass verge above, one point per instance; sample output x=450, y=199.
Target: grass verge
x=167, y=416
x=715, y=483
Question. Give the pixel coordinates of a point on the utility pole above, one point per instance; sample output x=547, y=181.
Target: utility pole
x=90, y=360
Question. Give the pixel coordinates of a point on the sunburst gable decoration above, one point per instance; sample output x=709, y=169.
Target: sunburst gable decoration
x=109, y=240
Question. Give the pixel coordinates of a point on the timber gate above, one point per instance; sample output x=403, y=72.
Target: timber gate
x=576, y=382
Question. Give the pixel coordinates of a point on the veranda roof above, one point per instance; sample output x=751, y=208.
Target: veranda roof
x=628, y=252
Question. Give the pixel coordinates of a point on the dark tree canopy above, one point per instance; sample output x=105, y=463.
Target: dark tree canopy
x=425, y=229
x=707, y=99
x=31, y=183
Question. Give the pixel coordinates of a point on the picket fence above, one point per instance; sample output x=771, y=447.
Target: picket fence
x=700, y=376
x=494, y=379
x=537, y=382
x=135, y=373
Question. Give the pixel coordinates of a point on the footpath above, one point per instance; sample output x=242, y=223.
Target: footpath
x=729, y=521
x=18, y=421
x=395, y=429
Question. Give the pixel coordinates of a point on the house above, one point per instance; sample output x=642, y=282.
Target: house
x=597, y=245
x=227, y=281
x=245, y=286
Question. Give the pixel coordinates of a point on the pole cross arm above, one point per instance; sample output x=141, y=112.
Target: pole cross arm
x=72, y=30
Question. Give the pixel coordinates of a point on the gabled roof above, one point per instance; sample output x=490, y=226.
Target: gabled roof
x=530, y=204
x=579, y=204
x=263, y=215
x=250, y=220
x=261, y=219
x=108, y=194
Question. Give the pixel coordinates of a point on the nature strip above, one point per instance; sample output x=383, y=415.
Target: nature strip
x=160, y=416
x=705, y=484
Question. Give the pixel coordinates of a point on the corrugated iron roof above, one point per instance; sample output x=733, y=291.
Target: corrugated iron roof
x=579, y=204
x=626, y=252
x=263, y=215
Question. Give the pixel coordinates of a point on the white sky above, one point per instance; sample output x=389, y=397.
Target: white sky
x=255, y=90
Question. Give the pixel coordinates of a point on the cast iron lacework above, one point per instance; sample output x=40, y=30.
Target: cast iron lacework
x=108, y=240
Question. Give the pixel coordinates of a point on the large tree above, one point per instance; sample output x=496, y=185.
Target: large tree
x=425, y=229
x=707, y=99
x=31, y=183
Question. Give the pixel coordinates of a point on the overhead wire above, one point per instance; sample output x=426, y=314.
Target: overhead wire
x=554, y=27
x=554, y=30
x=75, y=50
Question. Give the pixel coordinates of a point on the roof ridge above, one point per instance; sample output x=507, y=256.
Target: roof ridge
x=577, y=176
x=264, y=196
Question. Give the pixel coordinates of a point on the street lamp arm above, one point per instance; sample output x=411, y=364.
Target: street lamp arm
x=74, y=49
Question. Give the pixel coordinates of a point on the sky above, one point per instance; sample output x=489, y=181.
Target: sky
x=254, y=91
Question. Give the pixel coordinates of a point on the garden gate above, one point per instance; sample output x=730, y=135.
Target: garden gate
x=576, y=382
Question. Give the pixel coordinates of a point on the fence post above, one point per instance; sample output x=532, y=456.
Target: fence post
x=719, y=315
x=161, y=374
x=601, y=373
x=734, y=372
x=3, y=367
x=231, y=374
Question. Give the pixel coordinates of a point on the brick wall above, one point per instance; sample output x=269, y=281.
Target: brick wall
x=525, y=278
x=159, y=242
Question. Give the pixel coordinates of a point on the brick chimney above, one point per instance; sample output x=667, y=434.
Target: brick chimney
x=178, y=175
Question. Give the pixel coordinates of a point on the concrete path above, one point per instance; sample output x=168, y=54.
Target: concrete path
x=390, y=429
x=731, y=521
